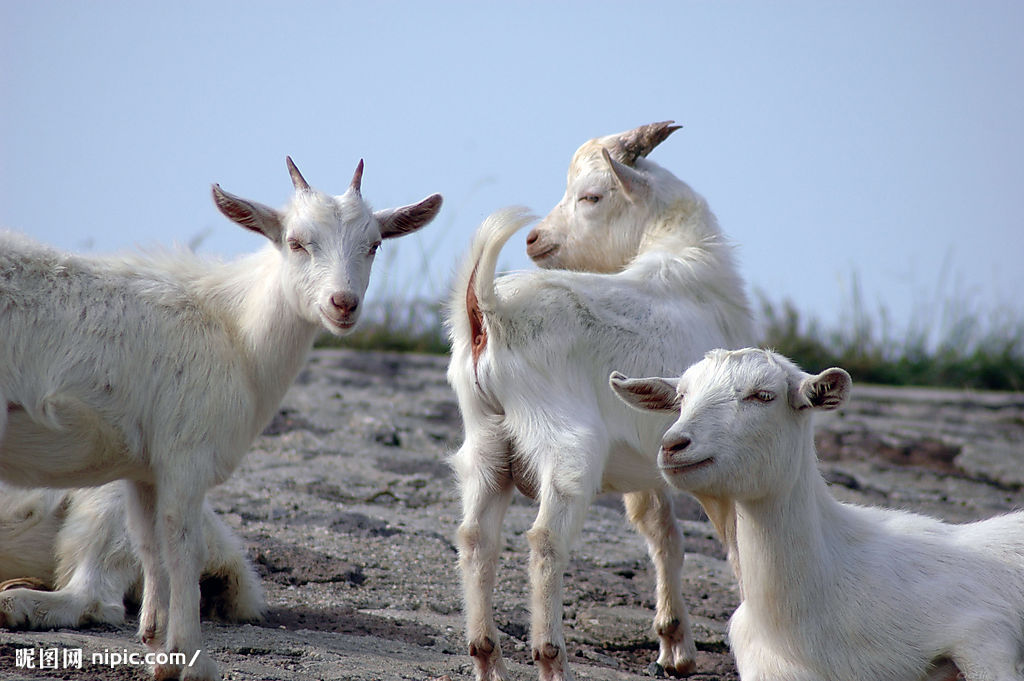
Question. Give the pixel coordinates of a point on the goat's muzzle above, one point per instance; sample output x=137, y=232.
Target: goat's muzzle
x=538, y=248
x=345, y=304
x=343, y=310
x=673, y=454
x=676, y=444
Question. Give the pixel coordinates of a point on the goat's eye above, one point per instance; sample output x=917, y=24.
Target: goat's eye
x=296, y=245
x=763, y=396
x=373, y=249
x=590, y=198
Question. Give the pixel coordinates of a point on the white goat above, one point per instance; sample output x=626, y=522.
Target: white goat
x=531, y=354
x=74, y=542
x=832, y=591
x=161, y=370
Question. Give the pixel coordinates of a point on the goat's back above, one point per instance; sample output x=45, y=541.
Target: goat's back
x=127, y=336
x=555, y=336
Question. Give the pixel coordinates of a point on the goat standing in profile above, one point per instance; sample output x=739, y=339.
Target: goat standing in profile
x=646, y=279
x=163, y=369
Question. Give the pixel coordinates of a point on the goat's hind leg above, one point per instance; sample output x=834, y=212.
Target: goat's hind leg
x=558, y=523
x=486, y=489
x=651, y=514
x=239, y=595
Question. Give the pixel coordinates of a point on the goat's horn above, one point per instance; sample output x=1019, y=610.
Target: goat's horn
x=357, y=178
x=297, y=179
x=627, y=147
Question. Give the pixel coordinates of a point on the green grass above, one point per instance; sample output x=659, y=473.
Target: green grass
x=962, y=346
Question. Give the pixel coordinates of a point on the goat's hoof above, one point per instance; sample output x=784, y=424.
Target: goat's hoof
x=14, y=614
x=551, y=664
x=548, y=651
x=166, y=672
x=678, y=655
x=487, y=659
x=482, y=648
x=680, y=669
x=203, y=669
x=679, y=666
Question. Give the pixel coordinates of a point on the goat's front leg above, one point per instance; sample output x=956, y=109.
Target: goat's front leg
x=486, y=492
x=651, y=513
x=140, y=503
x=183, y=548
x=558, y=522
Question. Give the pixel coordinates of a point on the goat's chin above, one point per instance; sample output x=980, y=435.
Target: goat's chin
x=337, y=327
x=547, y=258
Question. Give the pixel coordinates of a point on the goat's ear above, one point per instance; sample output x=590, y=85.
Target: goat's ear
x=398, y=221
x=828, y=390
x=646, y=394
x=631, y=182
x=249, y=214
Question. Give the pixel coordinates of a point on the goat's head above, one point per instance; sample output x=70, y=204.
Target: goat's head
x=609, y=199
x=327, y=243
x=742, y=419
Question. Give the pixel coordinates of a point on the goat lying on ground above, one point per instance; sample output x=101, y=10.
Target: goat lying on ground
x=832, y=591
x=531, y=354
x=161, y=370
x=74, y=542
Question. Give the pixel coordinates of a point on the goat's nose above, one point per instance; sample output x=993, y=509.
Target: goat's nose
x=675, y=444
x=345, y=303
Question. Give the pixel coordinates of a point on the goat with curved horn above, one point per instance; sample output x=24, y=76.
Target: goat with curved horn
x=627, y=147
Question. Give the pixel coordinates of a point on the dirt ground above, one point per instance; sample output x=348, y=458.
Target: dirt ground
x=349, y=511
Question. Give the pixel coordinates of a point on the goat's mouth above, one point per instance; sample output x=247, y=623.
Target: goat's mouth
x=543, y=252
x=682, y=468
x=337, y=325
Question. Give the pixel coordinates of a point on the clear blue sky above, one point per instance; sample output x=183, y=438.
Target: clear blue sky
x=884, y=139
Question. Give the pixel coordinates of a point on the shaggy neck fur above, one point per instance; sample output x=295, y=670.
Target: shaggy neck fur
x=250, y=298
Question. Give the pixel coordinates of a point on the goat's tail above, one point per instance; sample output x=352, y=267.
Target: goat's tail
x=473, y=294
x=488, y=241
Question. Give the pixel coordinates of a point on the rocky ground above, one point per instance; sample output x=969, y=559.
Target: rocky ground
x=349, y=510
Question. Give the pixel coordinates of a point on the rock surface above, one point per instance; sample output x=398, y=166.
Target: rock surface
x=349, y=510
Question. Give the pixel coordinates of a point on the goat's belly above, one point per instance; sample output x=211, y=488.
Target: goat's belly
x=82, y=455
